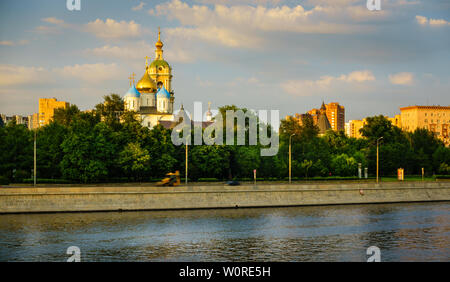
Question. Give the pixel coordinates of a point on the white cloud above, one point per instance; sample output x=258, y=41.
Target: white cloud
x=11, y=75
x=22, y=76
x=13, y=43
x=326, y=83
x=401, y=78
x=111, y=29
x=245, y=25
x=138, y=7
x=92, y=73
x=53, y=20
x=135, y=51
x=213, y=34
x=432, y=22
x=358, y=76
x=139, y=50
x=6, y=43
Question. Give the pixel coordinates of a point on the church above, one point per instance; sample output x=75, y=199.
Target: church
x=152, y=96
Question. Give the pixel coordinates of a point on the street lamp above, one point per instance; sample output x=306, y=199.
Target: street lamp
x=378, y=157
x=186, y=179
x=34, y=159
x=186, y=153
x=290, y=157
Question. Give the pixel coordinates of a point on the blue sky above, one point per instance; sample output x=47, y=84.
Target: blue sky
x=259, y=54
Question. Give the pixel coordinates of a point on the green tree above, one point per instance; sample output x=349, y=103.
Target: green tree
x=249, y=159
x=441, y=160
x=65, y=116
x=159, y=145
x=89, y=152
x=16, y=149
x=344, y=165
x=208, y=161
x=111, y=110
x=135, y=161
x=48, y=150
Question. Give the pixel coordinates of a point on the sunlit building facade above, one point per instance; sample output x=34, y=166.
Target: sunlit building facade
x=434, y=118
x=47, y=107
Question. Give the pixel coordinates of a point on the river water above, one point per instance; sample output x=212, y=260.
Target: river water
x=402, y=232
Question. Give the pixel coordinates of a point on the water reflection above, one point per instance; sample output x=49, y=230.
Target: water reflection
x=405, y=232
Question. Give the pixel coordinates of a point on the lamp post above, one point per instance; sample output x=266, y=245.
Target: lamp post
x=290, y=137
x=34, y=161
x=186, y=179
x=378, y=156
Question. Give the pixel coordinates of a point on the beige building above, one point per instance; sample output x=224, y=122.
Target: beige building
x=353, y=127
x=396, y=120
x=33, y=121
x=434, y=118
x=47, y=109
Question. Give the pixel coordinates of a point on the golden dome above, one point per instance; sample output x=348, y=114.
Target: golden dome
x=146, y=83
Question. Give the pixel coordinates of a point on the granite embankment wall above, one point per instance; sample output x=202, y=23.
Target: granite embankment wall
x=77, y=199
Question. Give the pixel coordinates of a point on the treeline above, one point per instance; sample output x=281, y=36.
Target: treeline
x=109, y=144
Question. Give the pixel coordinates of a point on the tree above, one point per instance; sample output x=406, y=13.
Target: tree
x=16, y=149
x=135, y=161
x=305, y=166
x=208, y=161
x=249, y=159
x=111, y=110
x=65, y=116
x=441, y=160
x=160, y=147
x=424, y=144
x=394, y=149
x=89, y=152
x=344, y=165
x=48, y=150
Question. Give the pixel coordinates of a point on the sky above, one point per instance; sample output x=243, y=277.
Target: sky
x=260, y=54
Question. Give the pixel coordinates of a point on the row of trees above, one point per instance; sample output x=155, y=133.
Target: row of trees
x=109, y=144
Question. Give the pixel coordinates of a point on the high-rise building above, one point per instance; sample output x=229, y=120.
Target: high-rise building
x=47, y=109
x=434, y=118
x=336, y=116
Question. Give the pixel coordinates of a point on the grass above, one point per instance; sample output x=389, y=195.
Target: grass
x=215, y=181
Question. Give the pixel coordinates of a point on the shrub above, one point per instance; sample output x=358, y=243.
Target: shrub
x=4, y=180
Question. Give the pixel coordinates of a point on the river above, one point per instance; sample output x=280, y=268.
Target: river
x=402, y=232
